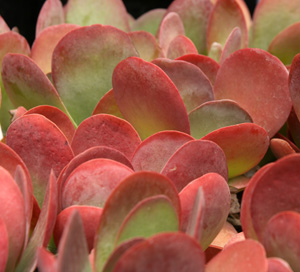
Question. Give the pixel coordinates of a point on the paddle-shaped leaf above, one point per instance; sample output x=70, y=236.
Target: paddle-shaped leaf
x=42, y=146
x=154, y=152
x=194, y=159
x=143, y=184
x=180, y=46
x=46, y=260
x=83, y=63
x=3, y=26
x=246, y=78
x=244, y=146
x=4, y=245
x=281, y=148
x=167, y=252
x=147, y=98
x=294, y=80
x=278, y=265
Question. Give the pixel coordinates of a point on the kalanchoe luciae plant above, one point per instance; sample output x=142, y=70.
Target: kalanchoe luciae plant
x=131, y=138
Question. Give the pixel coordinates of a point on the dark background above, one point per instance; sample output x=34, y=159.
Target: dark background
x=23, y=14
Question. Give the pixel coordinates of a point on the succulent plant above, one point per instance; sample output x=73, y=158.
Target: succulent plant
x=127, y=142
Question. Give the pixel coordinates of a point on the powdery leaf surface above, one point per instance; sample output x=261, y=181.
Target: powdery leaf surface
x=180, y=46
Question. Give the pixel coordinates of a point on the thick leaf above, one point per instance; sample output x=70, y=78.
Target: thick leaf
x=44, y=44
x=286, y=45
x=208, y=66
x=281, y=148
x=46, y=260
x=42, y=146
x=278, y=265
x=143, y=184
x=154, y=152
x=26, y=84
x=276, y=13
x=4, y=245
x=294, y=127
x=106, y=130
x=168, y=252
x=216, y=207
x=52, y=13
x=225, y=16
x=90, y=217
x=83, y=63
x=43, y=230
x=294, y=84
x=92, y=182
x=180, y=46
x=216, y=114
x=147, y=98
x=192, y=84
x=105, y=12
x=245, y=256
x=282, y=239
x=12, y=203
x=3, y=26
x=226, y=233
x=194, y=15
x=194, y=159
x=73, y=253
x=244, y=146
x=247, y=77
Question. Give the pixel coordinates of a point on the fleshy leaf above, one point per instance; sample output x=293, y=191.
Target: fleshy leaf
x=106, y=130
x=294, y=127
x=247, y=77
x=192, y=84
x=194, y=15
x=276, y=13
x=225, y=234
x=105, y=12
x=180, y=46
x=3, y=26
x=42, y=146
x=247, y=256
x=294, y=84
x=167, y=252
x=144, y=184
x=194, y=159
x=216, y=207
x=98, y=49
x=244, y=146
x=46, y=260
x=208, y=66
x=154, y=152
x=73, y=251
x=149, y=217
x=43, y=46
x=12, y=203
x=52, y=13
x=286, y=45
x=225, y=16
x=43, y=229
x=216, y=114
x=281, y=148
x=4, y=245
x=90, y=217
x=282, y=239
x=141, y=90
x=92, y=182
x=278, y=265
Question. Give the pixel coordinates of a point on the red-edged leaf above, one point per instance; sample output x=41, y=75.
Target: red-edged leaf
x=286, y=45
x=168, y=252
x=105, y=12
x=43, y=46
x=179, y=46
x=92, y=182
x=154, y=152
x=208, y=66
x=216, y=114
x=281, y=148
x=294, y=80
x=211, y=252
x=236, y=238
x=226, y=233
x=247, y=256
x=108, y=105
x=278, y=265
x=83, y=63
x=216, y=207
x=141, y=90
x=194, y=15
x=4, y=245
x=246, y=78
x=194, y=159
x=143, y=184
x=3, y=26
x=73, y=253
x=44, y=228
x=106, y=130
x=294, y=127
x=90, y=217
x=42, y=146
x=225, y=16
x=277, y=13
x=282, y=239
x=244, y=146
x=192, y=84
x=12, y=203
x=239, y=182
x=46, y=260
x=52, y=13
